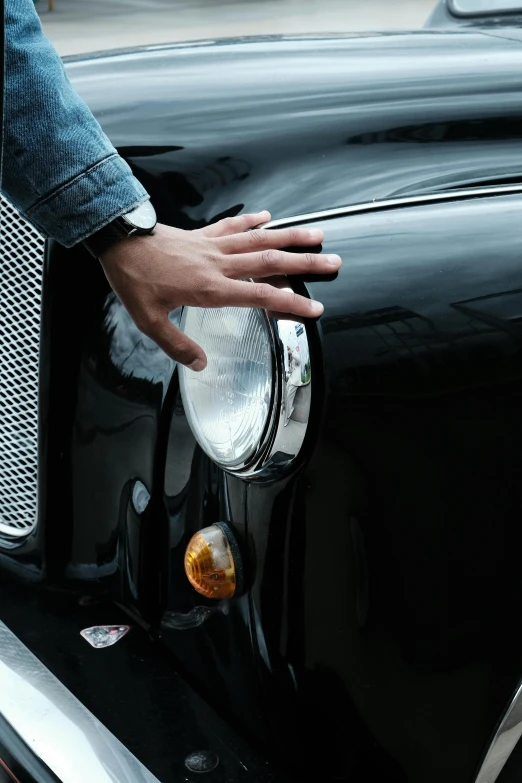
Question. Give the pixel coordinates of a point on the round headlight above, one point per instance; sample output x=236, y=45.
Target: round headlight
x=228, y=404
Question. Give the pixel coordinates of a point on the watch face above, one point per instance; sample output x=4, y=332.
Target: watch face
x=143, y=217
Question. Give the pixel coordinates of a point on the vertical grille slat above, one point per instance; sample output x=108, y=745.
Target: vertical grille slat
x=21, y=264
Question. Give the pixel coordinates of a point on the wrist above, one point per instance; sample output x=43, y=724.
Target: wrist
x=125, y=248
x=136, y=223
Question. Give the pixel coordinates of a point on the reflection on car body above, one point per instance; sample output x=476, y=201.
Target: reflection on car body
x=352, y=485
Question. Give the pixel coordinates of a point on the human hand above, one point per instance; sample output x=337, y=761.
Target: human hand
x=153, y=275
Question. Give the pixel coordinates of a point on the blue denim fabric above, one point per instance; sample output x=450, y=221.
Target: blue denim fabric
x=59, y=168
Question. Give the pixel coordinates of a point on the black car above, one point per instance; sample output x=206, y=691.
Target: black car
x=316, y=541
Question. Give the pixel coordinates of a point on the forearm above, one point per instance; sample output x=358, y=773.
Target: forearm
x=59, y=169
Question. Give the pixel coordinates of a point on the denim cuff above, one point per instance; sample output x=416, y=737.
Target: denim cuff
x=88, y=202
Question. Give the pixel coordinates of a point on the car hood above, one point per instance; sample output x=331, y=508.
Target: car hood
x=299, y=125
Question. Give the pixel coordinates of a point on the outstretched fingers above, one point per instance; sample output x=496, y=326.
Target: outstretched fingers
x=266, y=239
x=243, y=294
x=278, y=262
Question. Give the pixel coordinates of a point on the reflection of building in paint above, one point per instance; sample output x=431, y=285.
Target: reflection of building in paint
x=501, y=311
x=293, y=335
x=403, y=332
x=381, y=348
x=389, y=335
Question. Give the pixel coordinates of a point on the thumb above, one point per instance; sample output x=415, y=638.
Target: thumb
x=178, y=346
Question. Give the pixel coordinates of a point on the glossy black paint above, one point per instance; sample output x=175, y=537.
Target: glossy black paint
x=134, y=688
x=214, y=640
x=106, y=419
x=409, y=578
x=383, y=572
x=299, y=125
x=103, y=388
x=386, y=578
x=292, y=125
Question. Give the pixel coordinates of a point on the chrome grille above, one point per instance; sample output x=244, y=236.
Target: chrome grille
x=21, y=260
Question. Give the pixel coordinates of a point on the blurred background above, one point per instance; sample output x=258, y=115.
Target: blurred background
x=77, y=26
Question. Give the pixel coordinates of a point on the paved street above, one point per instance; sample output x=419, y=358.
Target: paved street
x=89, y=25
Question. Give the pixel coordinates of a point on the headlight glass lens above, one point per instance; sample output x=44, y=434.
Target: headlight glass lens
x=228, y=403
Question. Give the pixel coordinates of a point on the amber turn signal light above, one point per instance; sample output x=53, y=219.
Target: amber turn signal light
x=213, y=562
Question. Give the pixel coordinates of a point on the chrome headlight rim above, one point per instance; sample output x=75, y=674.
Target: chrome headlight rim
x=271, y=465
x=267, y=462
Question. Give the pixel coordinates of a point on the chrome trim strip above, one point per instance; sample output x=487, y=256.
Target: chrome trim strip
x=504, y=741
x=392, y=203
x=56, y=726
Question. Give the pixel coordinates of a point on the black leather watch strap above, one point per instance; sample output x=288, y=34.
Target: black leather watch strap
x=138, y=222
x=103, y=240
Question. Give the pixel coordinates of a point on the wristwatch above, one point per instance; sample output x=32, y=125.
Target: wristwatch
x=137, y=222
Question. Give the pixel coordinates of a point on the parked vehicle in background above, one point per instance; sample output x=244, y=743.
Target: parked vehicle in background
x=477, y=13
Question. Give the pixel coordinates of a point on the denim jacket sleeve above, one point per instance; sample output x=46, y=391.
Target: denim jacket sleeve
x=59, y=168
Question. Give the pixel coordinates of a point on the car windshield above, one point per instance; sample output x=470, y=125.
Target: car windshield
x=477, y=7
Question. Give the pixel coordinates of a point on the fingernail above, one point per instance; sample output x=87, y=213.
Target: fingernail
x=265, y=213
x=335, y=260
x=197, y=365
x=317, y=308
x=316, y=234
